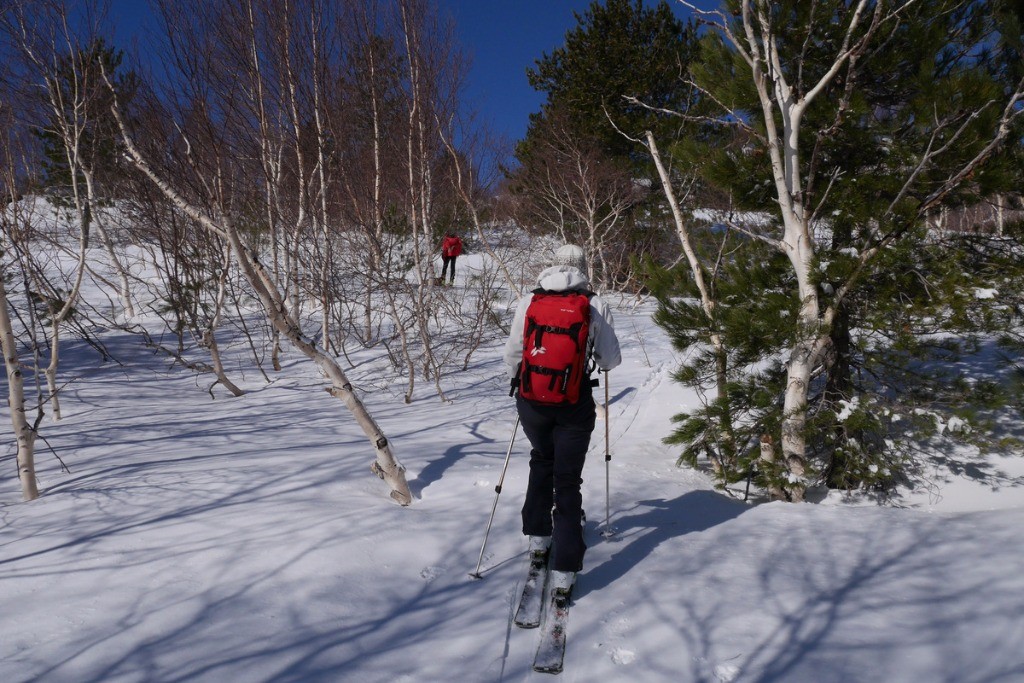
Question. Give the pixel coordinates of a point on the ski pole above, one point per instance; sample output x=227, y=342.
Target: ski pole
x=497, y=492
x=607, y=459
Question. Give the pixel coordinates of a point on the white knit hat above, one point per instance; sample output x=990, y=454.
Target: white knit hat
x=571, y=255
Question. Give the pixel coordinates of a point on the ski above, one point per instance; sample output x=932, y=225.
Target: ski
x=551, y=651
x=532, y=599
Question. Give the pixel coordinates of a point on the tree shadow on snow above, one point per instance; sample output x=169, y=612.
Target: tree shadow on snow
x=650, y=523
x=480, y=443
x=893, y=589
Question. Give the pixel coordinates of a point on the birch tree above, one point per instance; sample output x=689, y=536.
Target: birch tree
x=24, y=431
x=432, y=81
x=42, y=40
x=806, y=65
x=59, y=57
x=403, y=76
x=577, y=190
x=192, y=290
x=703, y=274
x=12, y=167
x=372, y=129
x=213, y=190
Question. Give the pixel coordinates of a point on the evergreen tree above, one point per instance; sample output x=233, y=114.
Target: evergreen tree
x=751, y=315
x=619, y=49
x=901, y=132
x=82, y=132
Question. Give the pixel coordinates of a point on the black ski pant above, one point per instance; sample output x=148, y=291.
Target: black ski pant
x=444, y=269
x=560, y=436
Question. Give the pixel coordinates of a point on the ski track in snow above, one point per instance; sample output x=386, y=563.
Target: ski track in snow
x=632, y=405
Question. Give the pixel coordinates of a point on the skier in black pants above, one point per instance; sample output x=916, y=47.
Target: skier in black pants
x=560, y=434
x=560, y=438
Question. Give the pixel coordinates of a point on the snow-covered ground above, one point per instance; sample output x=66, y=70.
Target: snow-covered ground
x=244, y=539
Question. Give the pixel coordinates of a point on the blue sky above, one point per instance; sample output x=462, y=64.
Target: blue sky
x=502, y=38
x=505, y=37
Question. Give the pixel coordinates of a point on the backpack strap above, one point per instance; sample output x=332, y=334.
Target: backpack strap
x=539, y=330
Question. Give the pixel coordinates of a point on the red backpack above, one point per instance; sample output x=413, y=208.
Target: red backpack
x=555, y=347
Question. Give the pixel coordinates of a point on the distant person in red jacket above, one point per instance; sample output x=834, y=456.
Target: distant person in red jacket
x=450, y=250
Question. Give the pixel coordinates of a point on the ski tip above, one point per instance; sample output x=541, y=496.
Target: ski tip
x=476, y=575
x=608, y=533
x=548, y=669
x=527, y=625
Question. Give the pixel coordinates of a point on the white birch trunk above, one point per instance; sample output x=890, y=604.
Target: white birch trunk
x=1000, y=214
x=707, y=301
x=321, y=208
x=413, y=195
x=23, y=432
x=210, y=333
x=59, y=316
x=373, y=263
x=777, y=98
x=270, y=162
